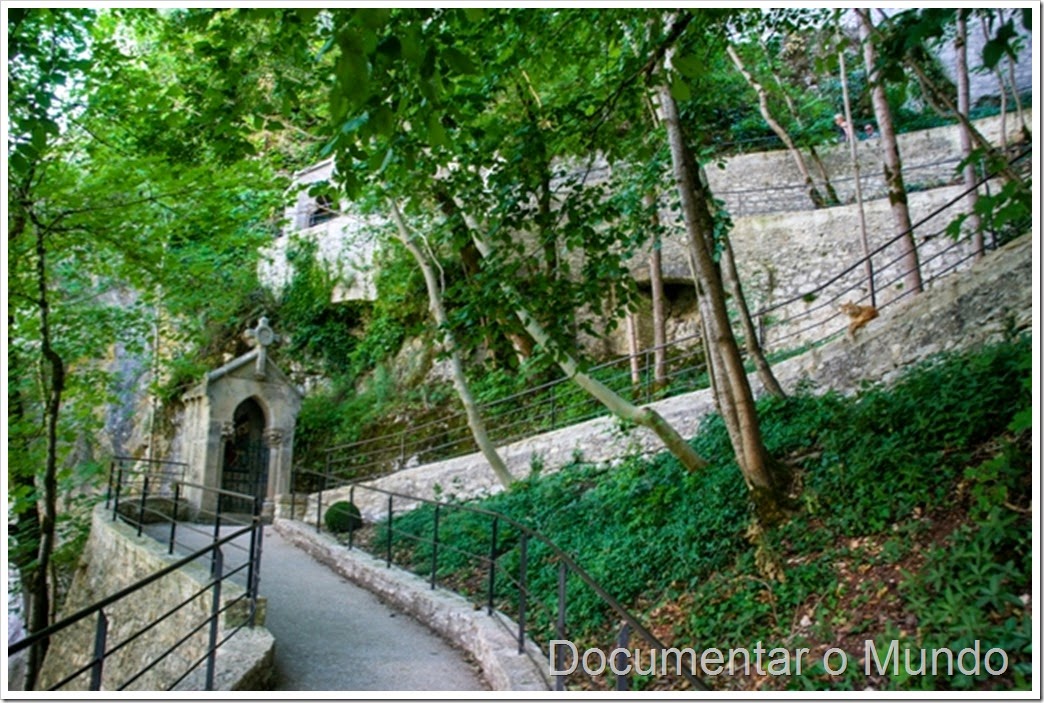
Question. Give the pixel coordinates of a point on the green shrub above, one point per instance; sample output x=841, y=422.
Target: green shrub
x=343, y=516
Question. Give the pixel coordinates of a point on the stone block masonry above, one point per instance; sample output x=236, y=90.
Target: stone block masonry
x=992, y=299
x=116, y=557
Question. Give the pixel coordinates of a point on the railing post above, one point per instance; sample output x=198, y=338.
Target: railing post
x=624, y=638
x=552, y=390
x=351, y=499
x=174, y=518
x=522, y=558
x=293, y=493
x=648, y=379
x=108, y=488
x=251, y=554
x=319, y=506
x=402, y=450
x=217, y=536
x=215, y=611
x=101, y=633
x=119, y=485
x=435, y=546
x=141, y=505
x=492, y=568
x=560, y=625
x=389, y=551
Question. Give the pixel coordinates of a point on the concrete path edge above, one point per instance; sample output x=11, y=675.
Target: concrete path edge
x=491, y=640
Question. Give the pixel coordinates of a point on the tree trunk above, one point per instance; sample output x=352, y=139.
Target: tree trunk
x=853, y=154
x=646, y=417
x=799, y=161
x=963, y=106
x=54, y=385
x=750, y=336
x=1001, y=84
x=659, y=316
x=633, y=352
x=893, y=169
x=475, y=421
x=734, y=389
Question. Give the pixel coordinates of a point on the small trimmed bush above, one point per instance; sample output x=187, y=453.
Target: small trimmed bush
x=343, y=516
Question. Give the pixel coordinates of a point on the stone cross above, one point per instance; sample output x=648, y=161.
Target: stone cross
x=262, y=335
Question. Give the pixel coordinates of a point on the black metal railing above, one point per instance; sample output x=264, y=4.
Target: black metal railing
x=506, y=578
x=140, y=494
x=807, y=319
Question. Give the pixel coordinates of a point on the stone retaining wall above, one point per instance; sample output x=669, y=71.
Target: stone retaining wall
x=116, y=557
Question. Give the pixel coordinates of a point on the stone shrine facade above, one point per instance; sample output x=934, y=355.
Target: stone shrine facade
x=239, y=431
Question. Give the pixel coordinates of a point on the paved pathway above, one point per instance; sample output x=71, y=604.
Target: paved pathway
x=332, y=635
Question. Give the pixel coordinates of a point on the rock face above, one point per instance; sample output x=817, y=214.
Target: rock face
x=990, y=301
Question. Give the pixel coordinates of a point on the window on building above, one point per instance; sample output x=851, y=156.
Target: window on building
x=324, y=211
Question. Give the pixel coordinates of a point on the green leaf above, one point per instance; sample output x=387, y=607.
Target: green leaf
x=458, y=61
x=436, y=132
x=679, y=90
x=688, y=65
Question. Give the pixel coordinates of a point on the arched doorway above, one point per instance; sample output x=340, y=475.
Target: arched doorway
x=245, y=460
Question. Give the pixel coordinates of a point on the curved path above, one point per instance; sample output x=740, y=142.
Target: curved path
x=332, y=635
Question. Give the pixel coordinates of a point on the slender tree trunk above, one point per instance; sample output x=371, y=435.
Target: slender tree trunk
x=868, y=262
x=659, y=316
x=795, y=153
x=755, y=462
x=1001, y=84
x=646, y=417
x=54, y=385
x=964, y=105
x=750, y=336
x=475, y=421
x=831, y=193
x=633, y=351
x=893, y=169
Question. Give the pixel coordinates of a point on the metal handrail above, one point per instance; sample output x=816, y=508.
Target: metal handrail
x=566, y=561
x=218, y=575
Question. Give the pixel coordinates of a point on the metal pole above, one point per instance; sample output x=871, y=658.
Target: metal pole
x=116, y=499
x=215, y=610
x=108, y=489
x=622, y=682
x=522, y=557
x=141, y=505
x=319, y=506
x=351, y=499
x=174, y=518
x=492, y=568
x=552, y=389
x=435, y=546
x=217, y=536
x=560, y=624
x=293, y=493
x=101, y=633
x=251, y=554
x=389, y=554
